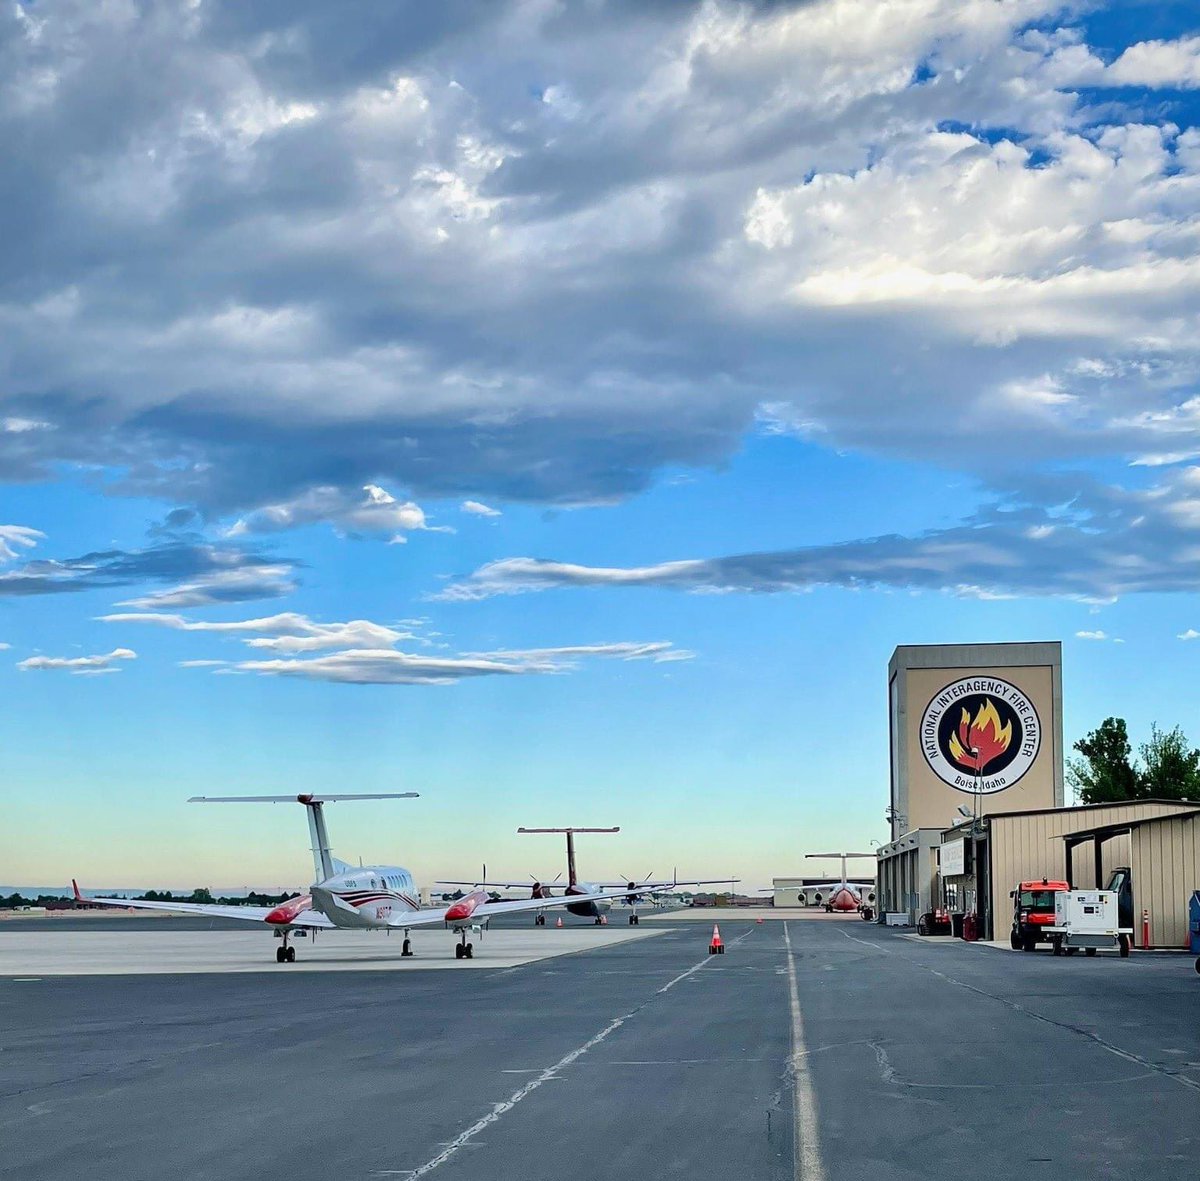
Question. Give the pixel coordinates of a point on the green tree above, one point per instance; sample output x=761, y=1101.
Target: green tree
x=1171, y=770
x=1106, y=772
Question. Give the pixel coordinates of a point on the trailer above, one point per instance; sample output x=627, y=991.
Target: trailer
x=1087, y=919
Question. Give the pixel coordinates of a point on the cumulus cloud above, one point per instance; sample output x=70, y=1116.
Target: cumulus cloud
x=295, y=256
x=478, y=509
x=373, y=512
x=79, y=665
x=1097, y=635
x=1190, y=634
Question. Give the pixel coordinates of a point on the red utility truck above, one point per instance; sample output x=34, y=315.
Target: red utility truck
x=1033, y=912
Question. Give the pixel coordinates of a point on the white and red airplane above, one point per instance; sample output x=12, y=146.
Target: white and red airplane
x=580, y=898
x=848, y=897
x=364, y=897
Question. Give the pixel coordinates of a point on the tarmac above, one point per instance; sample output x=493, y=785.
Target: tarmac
x=823, y=1050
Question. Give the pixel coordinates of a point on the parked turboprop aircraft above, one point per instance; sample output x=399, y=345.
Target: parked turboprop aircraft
x=364, y=897
x=583, y=895
x=847, y=896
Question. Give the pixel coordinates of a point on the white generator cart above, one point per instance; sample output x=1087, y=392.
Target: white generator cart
x=1087, y=919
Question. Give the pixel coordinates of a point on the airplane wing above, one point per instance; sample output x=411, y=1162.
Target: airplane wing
x=648, y=887
x=436, y=916
x=249, y=914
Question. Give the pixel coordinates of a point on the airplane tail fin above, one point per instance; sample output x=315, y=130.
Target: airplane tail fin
x=325, y=865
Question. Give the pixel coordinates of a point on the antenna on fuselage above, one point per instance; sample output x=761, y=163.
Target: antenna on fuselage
x=571, y=876
x=322, y=855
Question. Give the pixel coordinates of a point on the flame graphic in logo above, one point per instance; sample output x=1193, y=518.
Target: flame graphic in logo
x=984, y=735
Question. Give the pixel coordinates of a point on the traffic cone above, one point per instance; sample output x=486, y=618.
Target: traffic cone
x=759, y=919
x=716, y=947
x=604, y=920
x=559, y=922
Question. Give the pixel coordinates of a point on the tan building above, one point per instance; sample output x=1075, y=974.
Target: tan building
x=1082, y=845
x=1162, y=852
x=975, y=729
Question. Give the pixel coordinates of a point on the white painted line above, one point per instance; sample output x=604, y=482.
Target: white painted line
x=545, y=1076
x=806, y=1142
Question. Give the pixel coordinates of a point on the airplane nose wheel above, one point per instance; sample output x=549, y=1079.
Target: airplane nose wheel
x=464, y=950
x=539, y=920
x=634, y=920
x=285, y=954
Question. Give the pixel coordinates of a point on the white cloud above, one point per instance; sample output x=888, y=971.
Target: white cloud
x=1190, y=634
x=1094, y=635
x=285, y=632
x=80, y=665
x=375, y=512
x=389, y=667
x=1157, y=64
x=14, y=538
x=478, y=509
x=367, y=652
x=5, y=647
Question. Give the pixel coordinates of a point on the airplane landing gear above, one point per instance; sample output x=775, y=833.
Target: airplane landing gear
x=285, y=954
x=406, y=947
x=634, y=920
x=539, y=920
x=462, y=949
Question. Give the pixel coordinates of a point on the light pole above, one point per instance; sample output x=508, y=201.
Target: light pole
x=976, y=820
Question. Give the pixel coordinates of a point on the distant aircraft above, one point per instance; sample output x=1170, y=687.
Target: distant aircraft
x=847, y=897
x=586, y=900
x=364, y=897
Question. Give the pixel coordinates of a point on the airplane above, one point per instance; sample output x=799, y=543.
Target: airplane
x=847, y=897
x=363, y=897
x=580, y=892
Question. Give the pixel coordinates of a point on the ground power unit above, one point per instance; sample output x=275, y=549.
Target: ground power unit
x=1087, y=919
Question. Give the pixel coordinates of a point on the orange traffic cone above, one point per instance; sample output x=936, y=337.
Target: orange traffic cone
x=559, y=922
x=759, y=919
x=716, y=947
x=604, y=920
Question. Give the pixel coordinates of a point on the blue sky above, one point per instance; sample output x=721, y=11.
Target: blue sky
x=564, y=410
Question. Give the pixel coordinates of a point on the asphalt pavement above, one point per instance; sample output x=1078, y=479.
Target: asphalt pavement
x=821, y=1050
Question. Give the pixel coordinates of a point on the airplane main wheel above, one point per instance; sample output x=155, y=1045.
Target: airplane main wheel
x=406, y=948
x=279, y=955
x=469, y=951
x=458, y=951
x=291, y=955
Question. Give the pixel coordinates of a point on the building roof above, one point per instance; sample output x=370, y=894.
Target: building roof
x=1083, y=834
x=1183, y=805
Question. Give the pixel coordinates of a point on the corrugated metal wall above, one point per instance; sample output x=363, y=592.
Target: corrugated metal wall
x=1028, y=847
x=1166, y=869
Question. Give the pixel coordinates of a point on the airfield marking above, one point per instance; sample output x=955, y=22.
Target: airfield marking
x=545, y=1076
x=806, y=1144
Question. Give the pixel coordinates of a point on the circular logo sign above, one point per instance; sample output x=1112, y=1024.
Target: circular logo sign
x=980, y=734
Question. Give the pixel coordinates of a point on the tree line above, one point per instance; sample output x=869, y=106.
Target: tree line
x=1165, y=768
x=15, y=901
